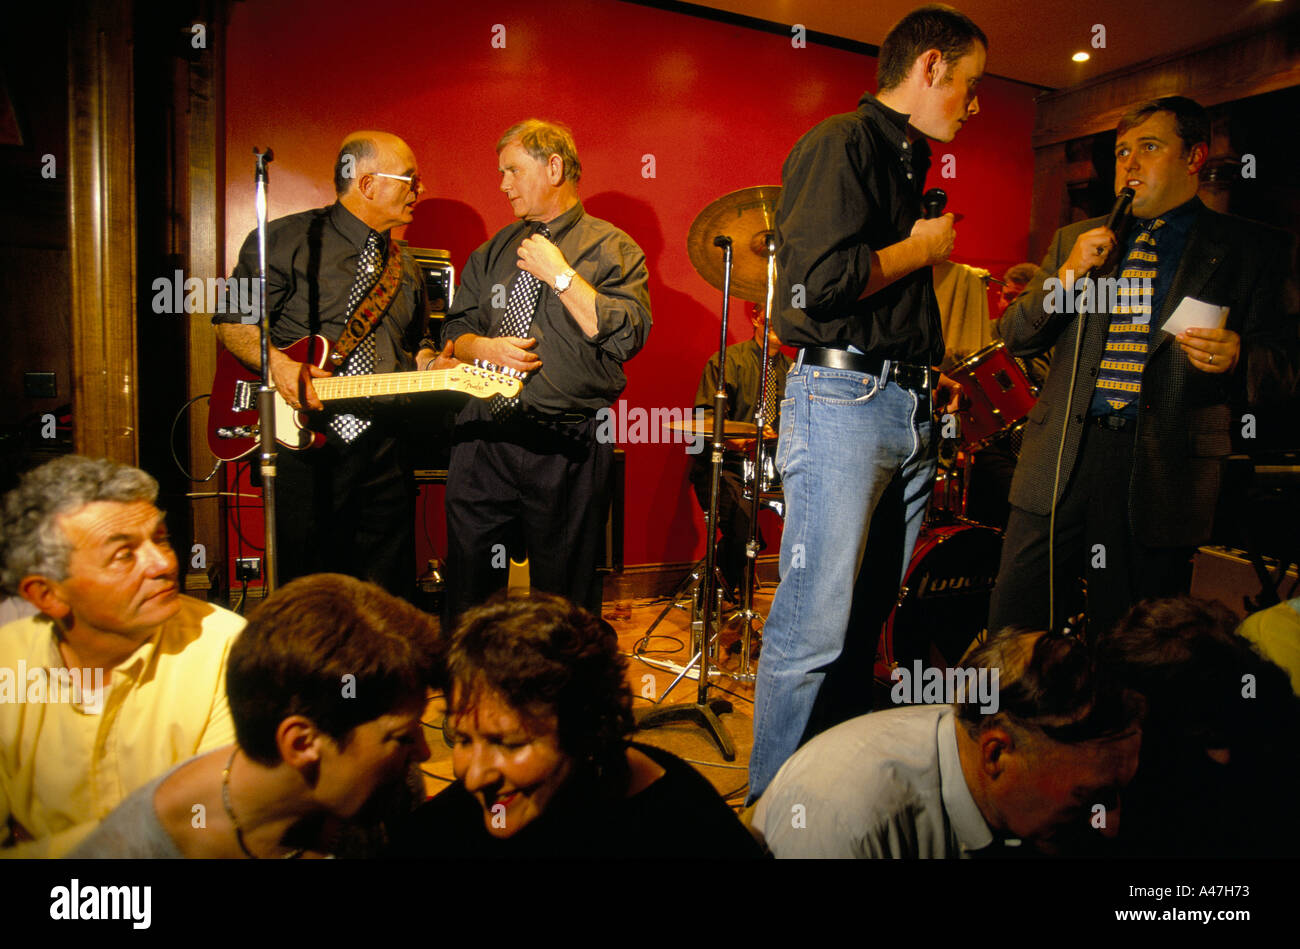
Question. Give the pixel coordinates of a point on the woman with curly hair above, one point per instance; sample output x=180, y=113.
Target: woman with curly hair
x=538, y=718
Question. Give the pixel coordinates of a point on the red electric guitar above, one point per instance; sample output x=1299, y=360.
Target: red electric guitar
x=232, y=411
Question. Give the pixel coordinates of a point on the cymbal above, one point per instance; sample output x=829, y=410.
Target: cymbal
x=704, y=426
x=747, y=216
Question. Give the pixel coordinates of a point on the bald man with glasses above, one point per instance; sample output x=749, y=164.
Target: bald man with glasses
x=348, y=506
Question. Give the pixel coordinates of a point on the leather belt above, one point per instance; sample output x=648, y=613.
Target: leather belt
x=916, y=378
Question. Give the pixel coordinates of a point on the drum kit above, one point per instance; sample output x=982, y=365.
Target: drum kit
x=944, y=598
x=732, y=245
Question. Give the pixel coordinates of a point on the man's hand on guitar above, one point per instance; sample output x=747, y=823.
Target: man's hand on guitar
x=509, y=352
x=293, y=379
x=427, y=359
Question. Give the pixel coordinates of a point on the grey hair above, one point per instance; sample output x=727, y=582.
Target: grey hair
x=541, y=140
x=31, y=541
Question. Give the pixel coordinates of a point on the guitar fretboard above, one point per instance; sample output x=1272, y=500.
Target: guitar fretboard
x=388, y=383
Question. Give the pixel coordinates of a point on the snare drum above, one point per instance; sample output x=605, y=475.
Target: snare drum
x=944, y=602
x=1000, y=394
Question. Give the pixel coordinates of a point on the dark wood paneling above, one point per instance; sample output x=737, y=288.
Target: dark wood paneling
x=1243, y=66
x=101, y=218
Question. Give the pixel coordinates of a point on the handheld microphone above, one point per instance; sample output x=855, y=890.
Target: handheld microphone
x=933, y=202
x=1117, y=213
x=1122, y=201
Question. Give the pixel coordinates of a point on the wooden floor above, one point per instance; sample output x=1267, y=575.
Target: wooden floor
x=648, y=681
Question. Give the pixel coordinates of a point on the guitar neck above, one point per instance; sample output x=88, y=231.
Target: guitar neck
x=386, y=383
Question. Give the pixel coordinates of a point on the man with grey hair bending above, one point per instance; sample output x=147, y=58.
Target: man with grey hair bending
x=119, y=676
x=1040, y=756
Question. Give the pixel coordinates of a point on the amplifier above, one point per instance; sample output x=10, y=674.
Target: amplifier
x=1226, y=574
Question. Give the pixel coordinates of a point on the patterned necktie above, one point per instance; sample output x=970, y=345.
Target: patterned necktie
x=769, y=397
x=520, y=307
x=361, y=361
x=1120, y=378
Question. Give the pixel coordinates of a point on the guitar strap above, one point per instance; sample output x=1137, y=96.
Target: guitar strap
x=372, y=308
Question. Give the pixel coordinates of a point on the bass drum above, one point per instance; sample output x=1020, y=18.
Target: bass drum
x=944, y=603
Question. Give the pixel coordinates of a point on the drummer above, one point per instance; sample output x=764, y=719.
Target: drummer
x=744, y=379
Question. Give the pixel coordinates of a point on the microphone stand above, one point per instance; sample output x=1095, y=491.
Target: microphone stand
x=266, y=392
x=1117, y=215
x=703, y=711
x=747, y=612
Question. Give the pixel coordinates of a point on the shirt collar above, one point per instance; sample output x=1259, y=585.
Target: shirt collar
x=1178, y=216
x=968, y=823
x=1183, y=215
x=129, y=668
x=894, y=125
x=353, y=228
x=558, y=226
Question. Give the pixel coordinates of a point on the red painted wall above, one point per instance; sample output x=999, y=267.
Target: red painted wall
x=717, y=106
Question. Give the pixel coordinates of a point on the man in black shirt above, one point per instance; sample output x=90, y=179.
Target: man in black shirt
x=559, y=298
x=744, y=380
x=857, y=451
x=349, y=506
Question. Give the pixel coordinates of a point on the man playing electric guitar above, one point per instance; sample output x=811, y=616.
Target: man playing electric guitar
x=348, y=507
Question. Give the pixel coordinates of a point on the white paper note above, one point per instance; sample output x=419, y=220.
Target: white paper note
x=1191, y=314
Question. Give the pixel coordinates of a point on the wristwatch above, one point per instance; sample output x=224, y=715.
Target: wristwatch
x=563, y=280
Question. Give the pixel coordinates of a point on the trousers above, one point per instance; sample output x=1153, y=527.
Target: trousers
x=856, y=455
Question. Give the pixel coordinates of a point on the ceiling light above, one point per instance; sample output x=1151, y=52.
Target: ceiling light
x=1080, y=57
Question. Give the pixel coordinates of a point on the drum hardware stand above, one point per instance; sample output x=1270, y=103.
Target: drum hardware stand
x=266, y=392
x=688, y=588
x=704, y=711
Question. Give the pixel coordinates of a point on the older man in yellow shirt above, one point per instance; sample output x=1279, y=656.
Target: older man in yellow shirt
x=119, y=676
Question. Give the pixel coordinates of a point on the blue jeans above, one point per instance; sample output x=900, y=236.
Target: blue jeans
x=848, y=440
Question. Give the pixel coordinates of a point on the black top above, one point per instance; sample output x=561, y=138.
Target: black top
x=578, y=373
x=311, y=263
x=744, y=369
x=853, y=184
x=680, y=812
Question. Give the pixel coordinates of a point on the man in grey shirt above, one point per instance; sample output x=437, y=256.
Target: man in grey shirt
x=1044, y=763
x=560, y=299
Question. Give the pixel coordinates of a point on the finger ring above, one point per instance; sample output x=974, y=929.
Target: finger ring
x=1211, y=359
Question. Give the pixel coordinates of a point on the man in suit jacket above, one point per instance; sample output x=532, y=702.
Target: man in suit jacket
x=1145, y=428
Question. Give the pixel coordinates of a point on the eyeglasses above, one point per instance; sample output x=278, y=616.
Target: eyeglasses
x=412, y=180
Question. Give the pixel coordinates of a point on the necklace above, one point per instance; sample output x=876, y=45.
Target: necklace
x=230, y=812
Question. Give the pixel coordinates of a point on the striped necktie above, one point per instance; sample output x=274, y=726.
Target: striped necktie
x=1120, y=378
